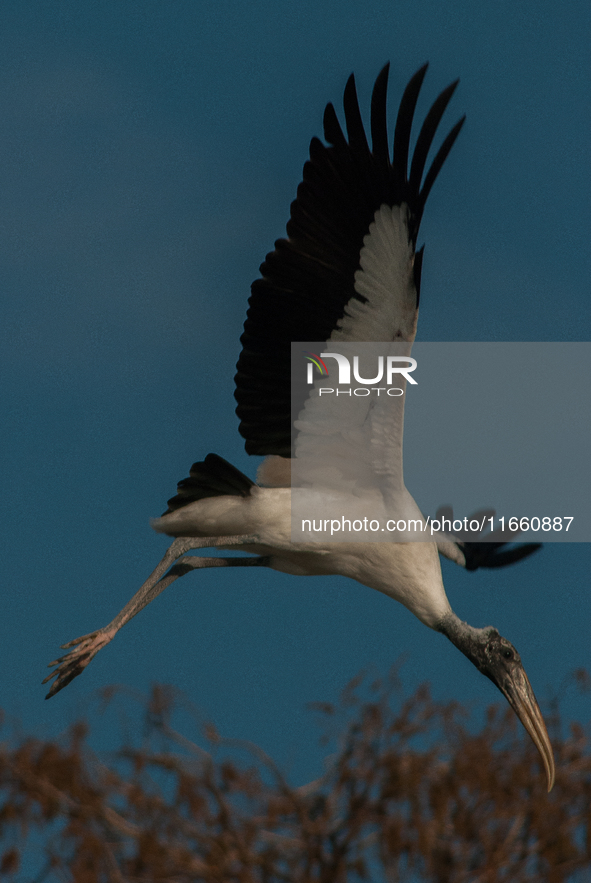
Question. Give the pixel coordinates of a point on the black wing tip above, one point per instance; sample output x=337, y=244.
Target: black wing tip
x=403, y=126
x=416, y=81
x=425, y=142
x=355, y=129
x=451, y=88
x=490, y=556
x=350, y=94
x=382, y=77
x=439, y=160
x=342, y=168
x=333, y=132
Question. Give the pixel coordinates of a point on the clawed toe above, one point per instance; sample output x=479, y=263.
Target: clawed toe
x=82, y=650
x=76, y=641
x=73, y=663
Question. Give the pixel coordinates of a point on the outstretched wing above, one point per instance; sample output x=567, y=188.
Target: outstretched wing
x=475, y=555
x=314, y=286
x=487, y=549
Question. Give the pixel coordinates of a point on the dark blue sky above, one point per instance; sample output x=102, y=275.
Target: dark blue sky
x=148, y=156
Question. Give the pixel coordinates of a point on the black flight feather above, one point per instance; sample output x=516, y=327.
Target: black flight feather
x=307, y=281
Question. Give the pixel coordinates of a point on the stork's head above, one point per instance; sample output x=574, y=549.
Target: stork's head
x=498, y=659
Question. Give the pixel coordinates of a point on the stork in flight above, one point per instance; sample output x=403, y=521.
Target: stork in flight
x=348, y=271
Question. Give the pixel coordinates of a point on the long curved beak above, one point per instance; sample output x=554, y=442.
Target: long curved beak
x=518, y=692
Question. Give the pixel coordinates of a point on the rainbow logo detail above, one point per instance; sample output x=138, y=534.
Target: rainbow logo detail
x=316, y=360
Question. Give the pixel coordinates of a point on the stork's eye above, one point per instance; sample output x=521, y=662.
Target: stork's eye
x=508, y=654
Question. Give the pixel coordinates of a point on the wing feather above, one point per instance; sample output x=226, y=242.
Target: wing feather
x=307, y=288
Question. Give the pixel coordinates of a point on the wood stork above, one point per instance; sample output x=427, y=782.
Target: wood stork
x=348, y=271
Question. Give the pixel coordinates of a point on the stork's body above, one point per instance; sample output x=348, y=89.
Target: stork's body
x=348, y=272
x=408, y=572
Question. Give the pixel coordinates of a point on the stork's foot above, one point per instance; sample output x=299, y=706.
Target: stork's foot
x=74, y=662
x=86, y=647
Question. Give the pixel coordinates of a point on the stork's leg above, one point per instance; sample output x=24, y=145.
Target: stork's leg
x=86, y=647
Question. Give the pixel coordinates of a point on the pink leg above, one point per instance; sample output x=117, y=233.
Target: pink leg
x=86, y=647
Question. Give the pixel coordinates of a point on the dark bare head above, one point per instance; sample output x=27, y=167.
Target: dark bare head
x=498, y=659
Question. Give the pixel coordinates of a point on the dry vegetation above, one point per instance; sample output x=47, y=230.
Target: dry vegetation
x=409, y=793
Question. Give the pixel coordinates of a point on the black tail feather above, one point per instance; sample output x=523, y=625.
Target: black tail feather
x=212, y=477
